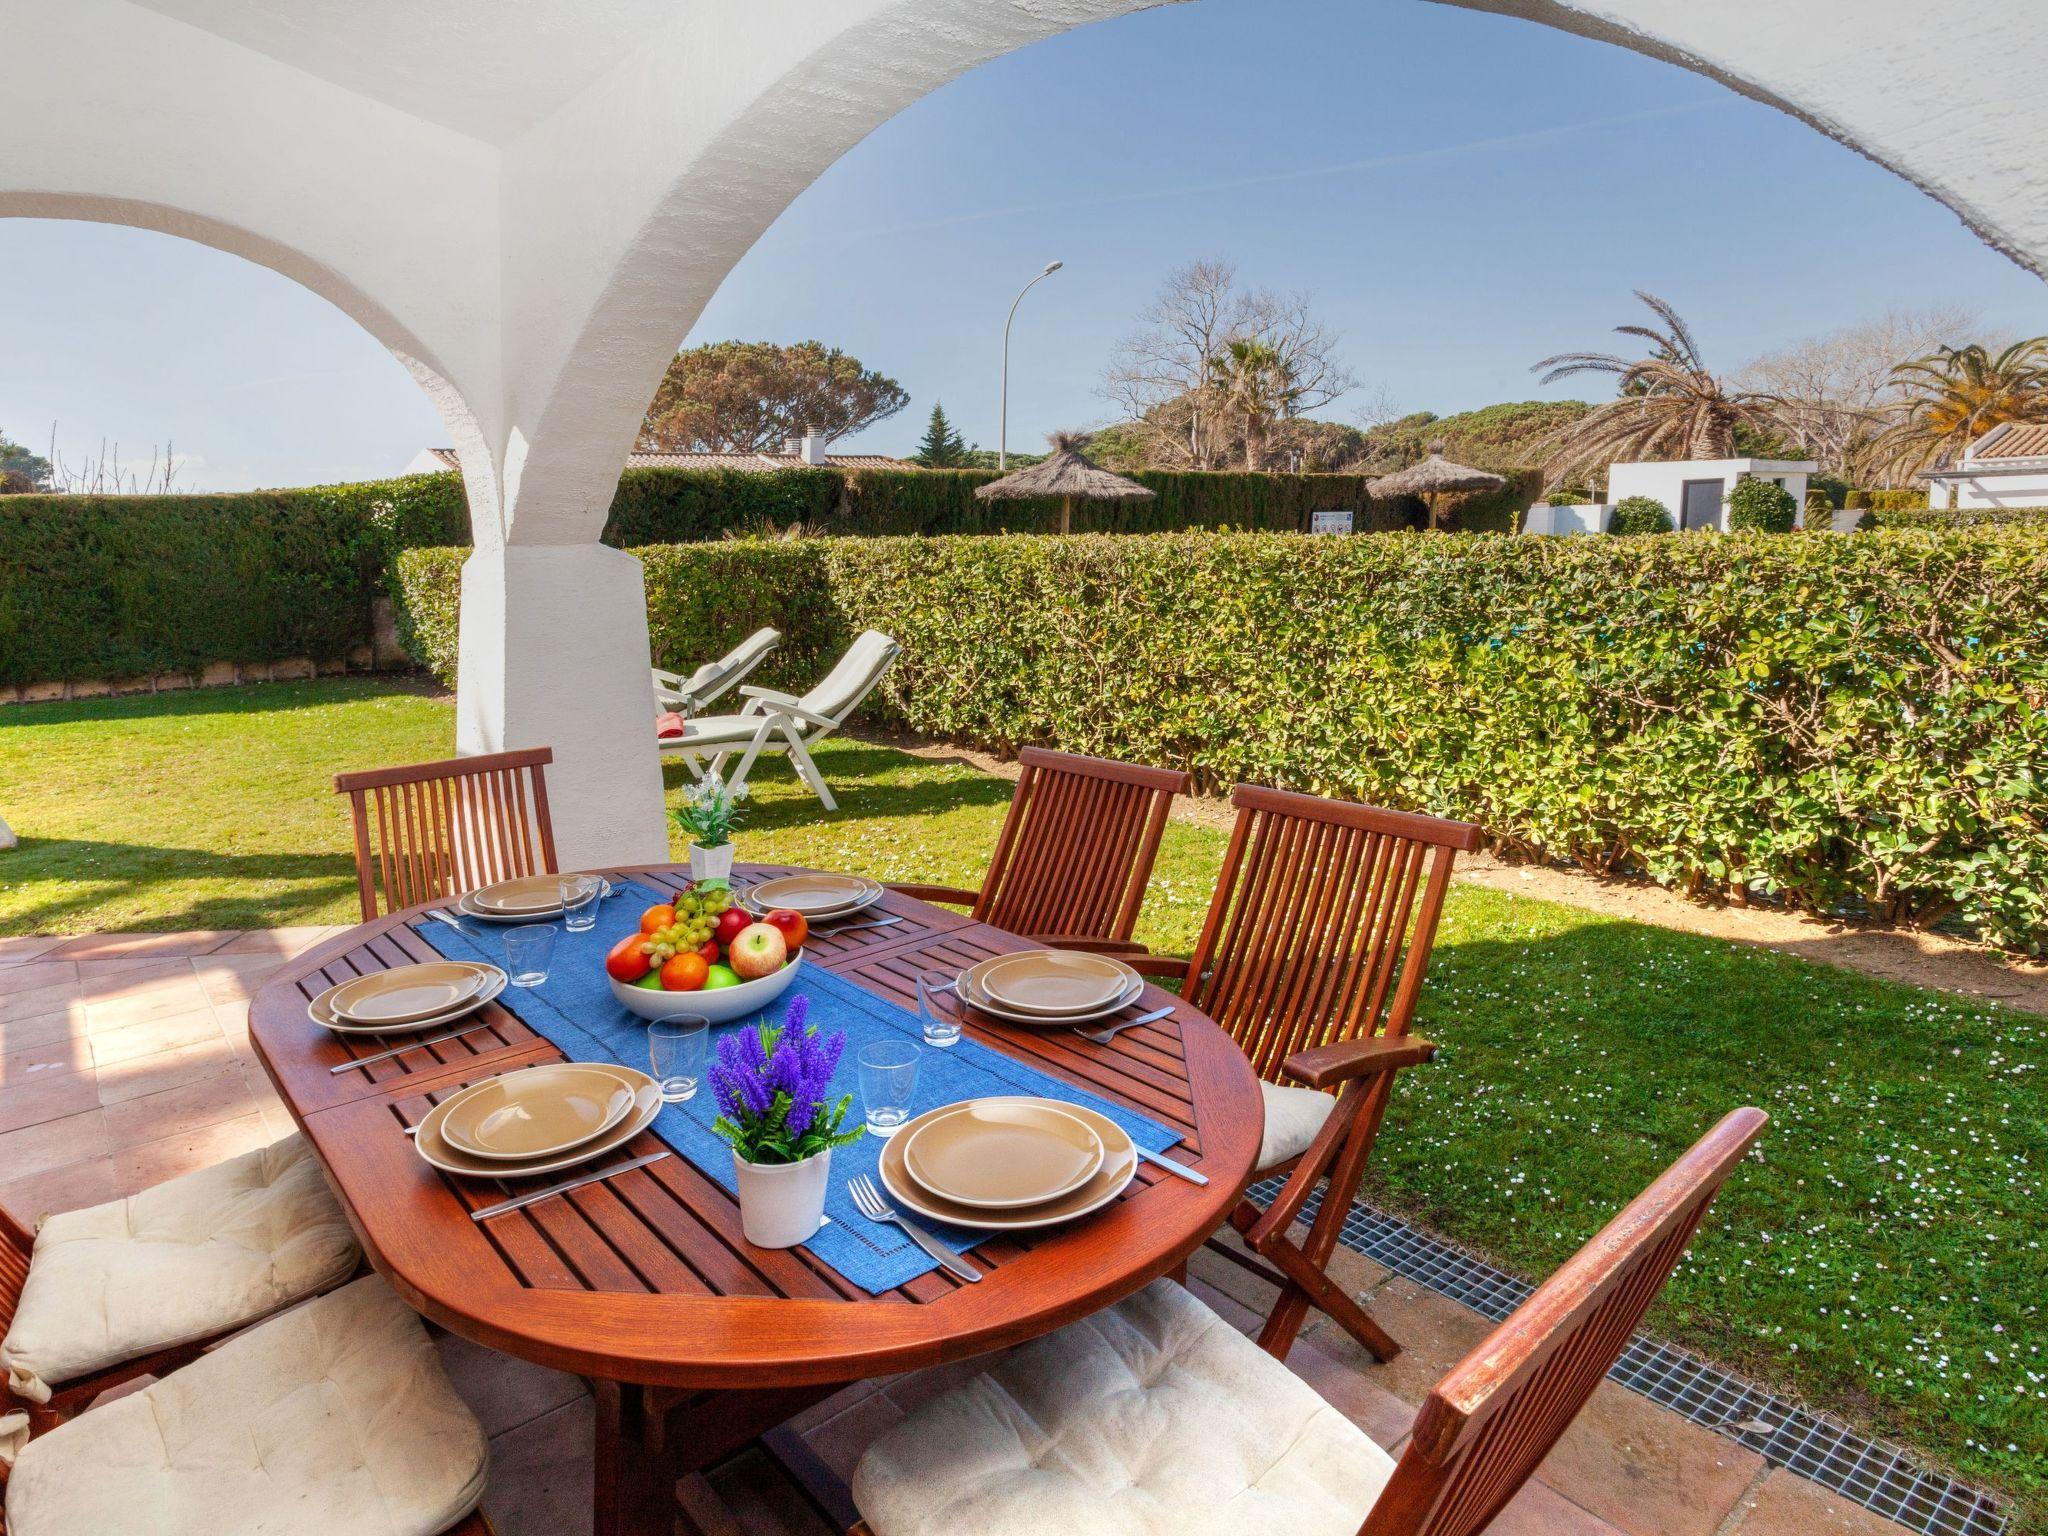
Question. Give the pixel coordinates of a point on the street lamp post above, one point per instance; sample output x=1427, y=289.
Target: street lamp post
x=1003, y=417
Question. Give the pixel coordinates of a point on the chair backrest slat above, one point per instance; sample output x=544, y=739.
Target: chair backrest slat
x=1322, y=921
x=1490, y=1422
x=429, y=831
x=1077, y=846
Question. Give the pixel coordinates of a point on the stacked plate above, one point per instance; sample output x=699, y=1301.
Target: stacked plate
x=538, y=1120
x=1048, y=988
x=528, y=899
x=406, y=998
x=1006, y=1164
x=820, y=898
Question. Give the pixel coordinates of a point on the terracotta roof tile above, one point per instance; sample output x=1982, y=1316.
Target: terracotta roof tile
x=2028, y=440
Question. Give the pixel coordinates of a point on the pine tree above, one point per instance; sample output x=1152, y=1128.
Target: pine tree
x=941, y=447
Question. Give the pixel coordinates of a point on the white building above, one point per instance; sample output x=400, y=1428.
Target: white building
x=1693, y=491
x=2006, y=467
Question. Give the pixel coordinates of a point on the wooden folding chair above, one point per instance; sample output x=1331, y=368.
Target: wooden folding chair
x=1075, y=851
x=1312, y=957
x=436, y=829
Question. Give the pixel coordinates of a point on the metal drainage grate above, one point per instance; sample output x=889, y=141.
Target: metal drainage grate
x=1883, y=1478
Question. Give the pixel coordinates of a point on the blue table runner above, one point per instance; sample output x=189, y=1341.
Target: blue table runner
x=574, y=1010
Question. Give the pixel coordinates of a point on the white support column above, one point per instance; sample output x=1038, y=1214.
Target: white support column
x=554, y=654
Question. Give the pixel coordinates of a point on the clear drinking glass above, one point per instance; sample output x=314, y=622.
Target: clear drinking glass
x=938, y=1007
x=579, y=902
x=888, y=1082
x=529, y=950
x=677, y=1049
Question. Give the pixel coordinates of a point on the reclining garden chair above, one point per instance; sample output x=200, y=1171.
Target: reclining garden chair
x=1312, y=957
x=1157, y=1415
x=781, y=722
x=1075, y=851
x=688, y=696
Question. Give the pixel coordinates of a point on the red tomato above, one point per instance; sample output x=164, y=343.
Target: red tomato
x=709, y=950
x=684, y=972
x=794, y=929
x=654, y=919
x=730, y=922
x=628, y=960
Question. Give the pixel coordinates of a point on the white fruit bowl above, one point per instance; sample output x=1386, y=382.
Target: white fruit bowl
x=720, y=1006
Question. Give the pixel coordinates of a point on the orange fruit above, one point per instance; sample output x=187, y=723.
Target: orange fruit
x=654, y=919
x=684, y=972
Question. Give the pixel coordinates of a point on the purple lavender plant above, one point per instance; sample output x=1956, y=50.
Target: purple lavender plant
x=771, y=1083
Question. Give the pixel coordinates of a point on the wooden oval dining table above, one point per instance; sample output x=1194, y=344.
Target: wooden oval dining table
x=696, y=1342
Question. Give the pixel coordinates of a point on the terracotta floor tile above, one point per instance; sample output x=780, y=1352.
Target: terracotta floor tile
x=67, y=1023
x=234, y=978
x=759, y=1499
x=160, y=1071
x=234, y=1021
x=1233, y=1279
x=105, y=946
x=116, y=975
x=54, y=1143
x=840, y=1440
x=165, y=1034
x=1352, y=1392
x=36, y=976
x=502, y=1391
x=1646, y=1469
x=52, y=1096
x=1540, y=1510
x=1229, y=1308
x=1786, y=1505
x=159, y=1000
x=69, y=1188
x=1434, y=1333
x=541, y=1472
x=52, y=1059
x=179, y=1111
x=155, y=1161
x=278, y=943
x=59, y=997
x=27, y=947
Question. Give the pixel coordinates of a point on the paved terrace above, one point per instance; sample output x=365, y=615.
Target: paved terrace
x=124, y=1061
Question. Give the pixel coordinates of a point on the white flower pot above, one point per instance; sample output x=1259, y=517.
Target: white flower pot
x=711, y=863
x=782, y=1204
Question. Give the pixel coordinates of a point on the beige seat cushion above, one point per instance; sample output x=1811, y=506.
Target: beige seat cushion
x=1293, y=1117
x=334, y=1418
x=197, y=1256
x=1154, y=1418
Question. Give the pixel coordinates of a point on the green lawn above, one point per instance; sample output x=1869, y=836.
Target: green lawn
x=1882, y=1257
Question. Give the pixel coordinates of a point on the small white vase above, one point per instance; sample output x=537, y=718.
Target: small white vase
x=711, y=863
x=782, y=1204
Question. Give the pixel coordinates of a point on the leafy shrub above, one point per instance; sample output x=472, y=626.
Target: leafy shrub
x=1844, y=723
x=1639, y=514
x=1761, y=506
x=1958, y=517
x=1903, y=499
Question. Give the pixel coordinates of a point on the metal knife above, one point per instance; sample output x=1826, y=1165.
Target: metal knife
x=521, y=1201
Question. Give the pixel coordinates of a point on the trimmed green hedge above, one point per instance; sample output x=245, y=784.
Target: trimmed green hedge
x=1846, y=723
x=1902, y=499
x=1957, y=517
x=132, y=586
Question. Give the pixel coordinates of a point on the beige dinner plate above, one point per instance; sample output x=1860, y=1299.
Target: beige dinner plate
x=321, y=1013
x=536, y=1112
x=466, y=906
x=1003, y=1154
x=981, y=1002
x=527, y=895
x=437, y=1150
x=816, y=895
x=1119, y=1164
x=1051, y=982
x=407, y=992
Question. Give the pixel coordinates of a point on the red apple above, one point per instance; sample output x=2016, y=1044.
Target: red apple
x=756, y=951
x=710, y=951
x=730, y=922
x=794, y=929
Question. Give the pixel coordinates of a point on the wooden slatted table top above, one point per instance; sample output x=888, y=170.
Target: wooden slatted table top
x=645, y=1277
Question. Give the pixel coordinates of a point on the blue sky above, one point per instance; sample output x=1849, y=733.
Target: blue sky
x=1462, y=192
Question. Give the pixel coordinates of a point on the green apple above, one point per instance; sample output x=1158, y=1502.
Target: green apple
x=720, y=976
x=651, y=981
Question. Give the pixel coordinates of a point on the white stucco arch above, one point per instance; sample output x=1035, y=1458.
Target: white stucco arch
x=532, y=207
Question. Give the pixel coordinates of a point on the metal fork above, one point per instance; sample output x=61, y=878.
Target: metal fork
x=454, y=922
x=1104, y=1036
x=869, y=1202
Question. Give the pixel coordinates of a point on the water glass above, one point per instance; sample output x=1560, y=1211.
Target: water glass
x=938, y=1007
x=888, y=1082
x=579, y=902
x=528, y=952
x=677, y=1048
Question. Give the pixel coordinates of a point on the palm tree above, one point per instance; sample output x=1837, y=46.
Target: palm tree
x=1257, y=387
x=1953, y=396
x=1670, y=406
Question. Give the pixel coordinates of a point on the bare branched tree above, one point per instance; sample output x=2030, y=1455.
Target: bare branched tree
x=1836, y=393
x=1215, y=372
x=103, y=472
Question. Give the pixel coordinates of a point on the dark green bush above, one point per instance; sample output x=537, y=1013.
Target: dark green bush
x=132, y=586
x=1639, y=514
x=1761, y=506
x=1844, y=723
x=681, y=506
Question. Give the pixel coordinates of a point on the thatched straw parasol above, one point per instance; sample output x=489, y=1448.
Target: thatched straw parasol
x=1067, y=477
x=1435, y=476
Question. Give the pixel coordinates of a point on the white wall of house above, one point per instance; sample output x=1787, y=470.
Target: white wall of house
x=1589, y=517
x=2028, y=488
x=1666, y=481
